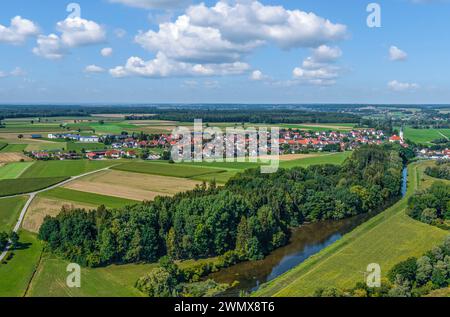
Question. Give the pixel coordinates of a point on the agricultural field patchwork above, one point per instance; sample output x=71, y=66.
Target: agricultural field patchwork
x=131, y=185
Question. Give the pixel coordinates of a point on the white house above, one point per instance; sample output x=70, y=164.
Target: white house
x=89, y=139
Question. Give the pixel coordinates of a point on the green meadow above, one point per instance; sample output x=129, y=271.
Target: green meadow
x=9, y=187
x=9, y=212
x=13, y=170
x=10, y=148
x=386, y=239
x=110, y=281
x=78, y=147
x=64, y=168
x=87, y=198
x=425, y=135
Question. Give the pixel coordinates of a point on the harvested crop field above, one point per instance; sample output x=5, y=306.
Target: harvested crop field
x=42, y=207
x=131, y=185
x=13, y=157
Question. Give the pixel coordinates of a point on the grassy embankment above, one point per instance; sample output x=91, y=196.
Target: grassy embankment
x=386, y=239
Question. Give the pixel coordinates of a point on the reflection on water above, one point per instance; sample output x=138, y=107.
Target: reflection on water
x=305, y=241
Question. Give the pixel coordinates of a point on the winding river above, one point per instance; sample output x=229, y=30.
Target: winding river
x=305, y=242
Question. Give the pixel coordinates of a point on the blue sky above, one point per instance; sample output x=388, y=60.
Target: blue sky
x=181, y=51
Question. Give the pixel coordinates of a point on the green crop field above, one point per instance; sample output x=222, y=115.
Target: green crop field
x=386, y=239
x=9, y=187
x=9, y=212
x=3, y=145
x=14, y=148
x=87, y=198
x=47, y=146
x=71, y=146
x=17, y=273
x=220, y=178
x=64, y=168
x=13, y=170
x=425, y=135
x=166, y=169
x=335, y=158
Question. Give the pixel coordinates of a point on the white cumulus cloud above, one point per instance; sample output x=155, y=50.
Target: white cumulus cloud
x=79, y=32
x=94, y=69
x=18, y=31
x=106, y=52
x=50, y=47
x=398, y=86
x=396, y=54
x=161, y=66
x=252, y=21
x=318, y=69
x=75, y=32
x=257, y=75
x=225, y=33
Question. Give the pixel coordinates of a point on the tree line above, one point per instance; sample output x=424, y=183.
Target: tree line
x=414, y=277
x=251, y=215
x=441, y=170
x=431, y=206
x=254, y=116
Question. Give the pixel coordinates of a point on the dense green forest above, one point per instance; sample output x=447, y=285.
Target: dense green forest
x=211, y=113
x=441, y=170
x=413, y=277
x=432, y=205
x=256, y=116
x=252, y=214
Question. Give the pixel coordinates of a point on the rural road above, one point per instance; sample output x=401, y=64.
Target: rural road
x=31, y=198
